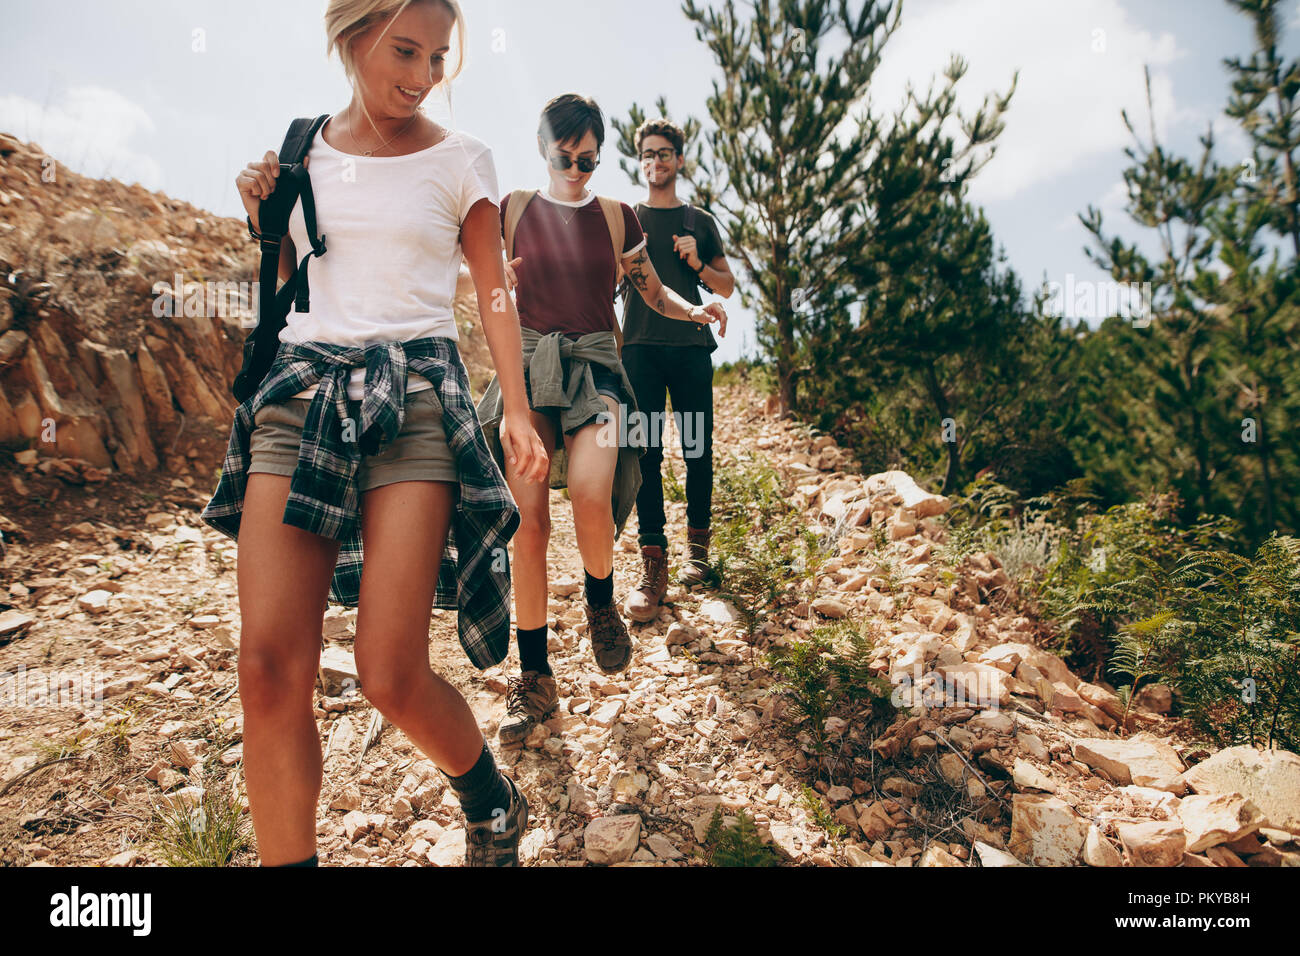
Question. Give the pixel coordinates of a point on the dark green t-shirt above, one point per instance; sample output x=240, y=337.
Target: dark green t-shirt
x=642, y=325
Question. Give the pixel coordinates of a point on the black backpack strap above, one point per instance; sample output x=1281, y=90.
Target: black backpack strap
x=301, y=301
x=294, y=183
x=273, y=220
x=688, y=219
x=299, y=138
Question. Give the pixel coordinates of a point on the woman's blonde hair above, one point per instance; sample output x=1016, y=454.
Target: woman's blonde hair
x=344, y=19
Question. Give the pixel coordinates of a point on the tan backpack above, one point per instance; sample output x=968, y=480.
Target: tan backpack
x=518, y=201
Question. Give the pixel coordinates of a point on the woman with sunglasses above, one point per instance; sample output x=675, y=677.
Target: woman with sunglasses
x=563, y=274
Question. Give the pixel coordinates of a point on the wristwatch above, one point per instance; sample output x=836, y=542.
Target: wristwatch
x=251, y=231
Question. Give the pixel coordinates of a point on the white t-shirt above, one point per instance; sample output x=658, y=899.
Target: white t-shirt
x=391, y=226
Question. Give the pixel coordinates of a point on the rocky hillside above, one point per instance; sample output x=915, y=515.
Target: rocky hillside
x=121, y=320
x=119, y=632
x=100, y=365
x=1003, y=757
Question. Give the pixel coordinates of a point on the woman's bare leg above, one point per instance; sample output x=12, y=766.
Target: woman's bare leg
x=593, y=459
x=284, y=575
x=528, y=564
x=404, y=531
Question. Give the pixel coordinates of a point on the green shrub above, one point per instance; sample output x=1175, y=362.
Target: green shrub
x=736, y=845
x=821, y=816
x=828, y=671
x=1224, y=632
x=209, y=834
x=755, y=375
x=760, y=543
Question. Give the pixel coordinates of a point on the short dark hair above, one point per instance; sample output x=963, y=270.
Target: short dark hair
x=665, y=128
x=567, y=118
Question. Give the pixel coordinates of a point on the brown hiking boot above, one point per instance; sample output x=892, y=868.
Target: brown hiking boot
x=531, y=698
x=697, y=570
x=643, y=603
x=610, y=644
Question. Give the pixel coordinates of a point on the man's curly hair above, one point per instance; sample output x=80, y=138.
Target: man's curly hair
x=661, y=127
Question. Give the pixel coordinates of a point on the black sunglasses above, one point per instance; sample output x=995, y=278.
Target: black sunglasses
x=666, y=155
x=585, y=165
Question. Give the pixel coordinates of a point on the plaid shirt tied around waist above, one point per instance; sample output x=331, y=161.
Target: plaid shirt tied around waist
x=324, y=496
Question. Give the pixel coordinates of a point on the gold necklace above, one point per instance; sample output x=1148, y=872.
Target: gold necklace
x=368, y=152
x=571, y=215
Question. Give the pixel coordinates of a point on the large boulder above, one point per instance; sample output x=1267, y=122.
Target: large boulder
x=1141, y=759
x=923, y=503
x=1154, y=843
x=1270, y=779
x=1045, y=831
x=612, y=839
x=1211, y=819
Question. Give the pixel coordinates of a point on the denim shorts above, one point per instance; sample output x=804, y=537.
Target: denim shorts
x=607, y=382
x=419, y=452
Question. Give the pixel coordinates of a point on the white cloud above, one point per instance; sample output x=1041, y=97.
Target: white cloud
x=1111, y=205
x=89, y=130
x=1066, y=108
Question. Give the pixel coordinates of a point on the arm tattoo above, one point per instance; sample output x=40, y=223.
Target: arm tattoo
x=637, y=272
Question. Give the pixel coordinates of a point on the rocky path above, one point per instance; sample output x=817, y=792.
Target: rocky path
x=632, y=767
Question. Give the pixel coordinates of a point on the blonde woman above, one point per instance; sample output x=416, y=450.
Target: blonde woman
x=363, y=431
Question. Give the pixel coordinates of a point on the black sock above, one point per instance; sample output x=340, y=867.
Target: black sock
x=481, y=789
x=600, y=591
x=532, y=649
x=310, y=861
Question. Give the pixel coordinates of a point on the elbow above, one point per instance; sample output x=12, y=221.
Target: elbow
x=653, y=295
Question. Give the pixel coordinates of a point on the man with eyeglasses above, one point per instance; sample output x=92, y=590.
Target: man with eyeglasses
x=673, y=358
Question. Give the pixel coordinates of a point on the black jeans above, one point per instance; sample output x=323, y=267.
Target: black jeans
x=685, y=372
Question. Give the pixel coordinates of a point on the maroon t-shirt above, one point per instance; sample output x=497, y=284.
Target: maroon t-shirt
x=566, y=279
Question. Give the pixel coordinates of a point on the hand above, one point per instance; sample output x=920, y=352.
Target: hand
x=708, y=314
x=257, y=181
x=511, y=279
x=525, y=454
x=688, y=249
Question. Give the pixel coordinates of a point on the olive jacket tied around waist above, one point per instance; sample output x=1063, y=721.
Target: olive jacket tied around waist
x=559, y=376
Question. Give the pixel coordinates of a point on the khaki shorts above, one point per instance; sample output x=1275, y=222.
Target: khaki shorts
x=419, y=452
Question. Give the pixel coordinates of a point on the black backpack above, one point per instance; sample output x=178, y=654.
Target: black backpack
x=273, y=217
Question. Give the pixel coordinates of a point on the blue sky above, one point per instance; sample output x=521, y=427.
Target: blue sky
x=117, y=88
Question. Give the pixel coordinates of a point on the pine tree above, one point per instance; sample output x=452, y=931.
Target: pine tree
x=1205, y=397
x=782, y=162
x=1176, y=404
x=1261, y=303
x=1259, y=84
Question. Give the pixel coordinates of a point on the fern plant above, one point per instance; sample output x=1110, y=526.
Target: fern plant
x=759, y=540
x=807, y=679
x=1223, y=631
x=1241, y=673
x=827, y=671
